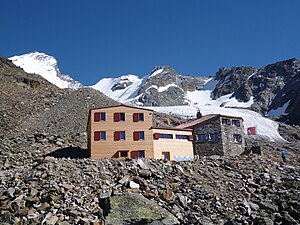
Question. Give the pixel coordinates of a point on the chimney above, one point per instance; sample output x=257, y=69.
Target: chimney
x=199, y=115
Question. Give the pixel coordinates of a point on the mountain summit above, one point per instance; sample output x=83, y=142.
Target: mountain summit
x=46, y=66
x=162, y=87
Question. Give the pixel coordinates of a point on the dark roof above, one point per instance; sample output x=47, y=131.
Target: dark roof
x=203, y=119
x=197, y=121
x=129, y=106
x=171, y=128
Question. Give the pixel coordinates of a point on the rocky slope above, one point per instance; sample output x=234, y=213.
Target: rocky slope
x=44, y=182
x=29, y=104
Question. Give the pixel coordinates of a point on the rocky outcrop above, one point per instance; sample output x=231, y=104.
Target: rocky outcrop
x=231, y=79
x=274, y=88
x=165, y=87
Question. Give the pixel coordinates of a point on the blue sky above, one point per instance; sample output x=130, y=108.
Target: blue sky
x=96, y=38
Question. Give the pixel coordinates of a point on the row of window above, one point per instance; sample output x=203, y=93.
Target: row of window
x=231, y=122
x=208, y=137
x=119, y=135
x=134, y=154
x=170, y=136
x=139, y=135
x=101, y=116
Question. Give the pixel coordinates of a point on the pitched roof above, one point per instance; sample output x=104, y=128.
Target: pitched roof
x=129, y=106
x=205, y=118
x=197, y=121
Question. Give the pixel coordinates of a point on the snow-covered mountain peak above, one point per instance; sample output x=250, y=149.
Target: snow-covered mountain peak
x=130, y=77
x=46, y=66
x=161, y=70
x=120, y=88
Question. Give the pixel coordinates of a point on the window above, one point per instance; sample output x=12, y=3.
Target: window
x=119, y=117
x=166, y=136
x=102, y=116
x=215, y=136
x=226, y=121
x=166, y=155
x=138, y=154
x=119, y=135
x=123, y=153
x=237, y=138
x=236, y=123
x=99, y=135
x=182, y=137
x=99, y=116
x=200, y=137
x=122, y=135
x=208, y=137
x=122, y=116
x=138, y=117
x=138, y=135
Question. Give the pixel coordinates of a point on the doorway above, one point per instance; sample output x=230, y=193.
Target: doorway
x=166, y=155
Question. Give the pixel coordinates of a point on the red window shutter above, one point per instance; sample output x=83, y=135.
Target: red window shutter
x=156, y=136
x=136, y=136
x=96, y=136
x=251, y=130
x=96, y=117
x=117, y=136
x=134, y=154
x=135, y=117
x=191, y=138
x=117, y=117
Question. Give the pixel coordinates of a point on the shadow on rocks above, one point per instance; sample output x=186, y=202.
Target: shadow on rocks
x=70, y=152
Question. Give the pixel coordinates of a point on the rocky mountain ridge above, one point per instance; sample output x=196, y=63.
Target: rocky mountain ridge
x=271, y=90
x=275, y=88
x=162, y=87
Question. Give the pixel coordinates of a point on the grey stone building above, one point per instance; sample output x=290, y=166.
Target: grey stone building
x=217, y=134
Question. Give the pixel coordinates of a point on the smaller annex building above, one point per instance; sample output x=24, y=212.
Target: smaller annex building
x=217, y=134
x=127, y=131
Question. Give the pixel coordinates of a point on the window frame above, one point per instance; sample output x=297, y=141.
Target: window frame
x=181, y=137
x=139, y=135
x=236, y=122
x=99, y=116
x=122, y=135
x=119, y=116
x=138, y=117
x=237, y=138
x=165, y=136
x=102, y=116
x=99, y=135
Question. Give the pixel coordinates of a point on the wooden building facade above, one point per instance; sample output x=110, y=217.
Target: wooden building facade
x=126, y=131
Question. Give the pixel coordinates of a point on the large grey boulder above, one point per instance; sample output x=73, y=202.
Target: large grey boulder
x=136, y=209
